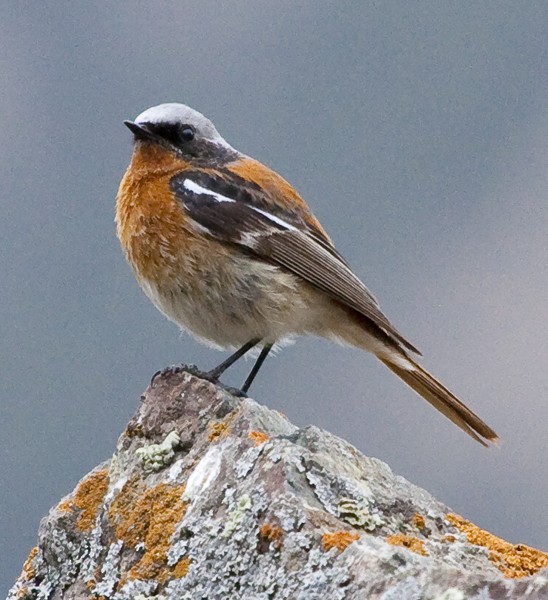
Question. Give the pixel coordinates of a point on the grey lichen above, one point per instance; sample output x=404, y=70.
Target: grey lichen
x=135, y=589
x=247, y=461
x=237, y=512
x=451, y=594
x=110, y=571
x=155, y=457
x=359, y=514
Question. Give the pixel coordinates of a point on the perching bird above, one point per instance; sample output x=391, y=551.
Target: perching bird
x=228, y=250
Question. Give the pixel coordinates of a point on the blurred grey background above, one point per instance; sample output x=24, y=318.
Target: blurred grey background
x=418, y=133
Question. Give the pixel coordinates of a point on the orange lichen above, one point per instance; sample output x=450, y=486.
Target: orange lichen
x=28, y=567
x=90, y=586
x=148, y=517
x=66, y=505
x=219, y=429
x=450, y=539
x=134, y=430
x=271, y=533
x=87, y=498
x=121, y=509
x=259, y=437
x=181, y=568
x=418, y=521
x=338, y=539
x=409, y=542
x=513, y=561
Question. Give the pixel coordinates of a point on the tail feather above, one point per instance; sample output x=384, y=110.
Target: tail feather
x=427, y=386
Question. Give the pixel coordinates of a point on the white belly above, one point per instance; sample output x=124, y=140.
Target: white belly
x=245, y=299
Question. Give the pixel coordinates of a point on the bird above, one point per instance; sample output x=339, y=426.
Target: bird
x=228, y=250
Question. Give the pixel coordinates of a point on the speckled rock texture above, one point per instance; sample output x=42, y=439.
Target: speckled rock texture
x=209, y=496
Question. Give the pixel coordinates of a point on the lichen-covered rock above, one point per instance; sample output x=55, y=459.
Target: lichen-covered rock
x=209, y=496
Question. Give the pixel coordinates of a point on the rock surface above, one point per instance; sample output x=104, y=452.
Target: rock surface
x=209, y=496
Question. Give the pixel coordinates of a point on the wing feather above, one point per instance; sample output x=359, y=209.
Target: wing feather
x=230, y=212
x=303, y=256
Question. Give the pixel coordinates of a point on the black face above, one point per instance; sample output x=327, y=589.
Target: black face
x=177, y=134
x=181, y=138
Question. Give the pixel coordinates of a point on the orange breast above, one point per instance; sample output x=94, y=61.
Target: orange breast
x=150, y=222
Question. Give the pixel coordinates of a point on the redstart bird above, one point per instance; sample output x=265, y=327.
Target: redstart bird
x=227, y=249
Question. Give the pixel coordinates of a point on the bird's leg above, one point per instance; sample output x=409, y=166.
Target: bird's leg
x=215, y=373
x=258, y=364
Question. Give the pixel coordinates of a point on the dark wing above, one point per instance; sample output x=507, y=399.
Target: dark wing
x=232, y=186
x=230, y=213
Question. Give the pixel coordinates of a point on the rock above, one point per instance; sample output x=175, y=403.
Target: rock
x=210, y=496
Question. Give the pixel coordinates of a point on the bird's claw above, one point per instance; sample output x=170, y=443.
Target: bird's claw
x=172, y=370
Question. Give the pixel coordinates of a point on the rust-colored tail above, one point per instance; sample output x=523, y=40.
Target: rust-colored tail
x=440, y=397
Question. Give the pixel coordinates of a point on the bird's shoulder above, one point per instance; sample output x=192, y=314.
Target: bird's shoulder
x=250, y=182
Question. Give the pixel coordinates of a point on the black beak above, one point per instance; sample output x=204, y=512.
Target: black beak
x=140, y=132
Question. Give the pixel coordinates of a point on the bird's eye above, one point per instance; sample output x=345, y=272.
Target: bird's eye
x=173, y=133
x=187, y=133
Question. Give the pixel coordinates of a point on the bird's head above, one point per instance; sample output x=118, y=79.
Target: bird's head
x=179, y=129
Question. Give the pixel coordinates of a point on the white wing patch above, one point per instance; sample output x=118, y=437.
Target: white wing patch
x=275, y=219
x=196, y=188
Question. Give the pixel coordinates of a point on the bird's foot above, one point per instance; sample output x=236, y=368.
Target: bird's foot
x=174, y=370
x=233, y=391
x=214, y=375
x=211, y=376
